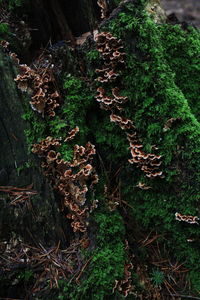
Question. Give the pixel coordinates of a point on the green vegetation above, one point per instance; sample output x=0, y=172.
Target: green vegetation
x=161, y=82
x=37, y=126
x=12, y=4
x=15, y=3
x=157, y=92
x=26, y=275
x=157, y=277
x=78, y=98
x=182, y=49
x=92, y=55
x=4, y=31
x=4, y=28
x=107, y=260
x=80, y=109
x=26, y=165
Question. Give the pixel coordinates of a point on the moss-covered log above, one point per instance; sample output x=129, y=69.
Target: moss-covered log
x=132, y=90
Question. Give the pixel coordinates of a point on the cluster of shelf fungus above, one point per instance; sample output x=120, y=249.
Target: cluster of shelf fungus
x=38, y=81
x=111, y=50
x=70, y=179
x=73, y=180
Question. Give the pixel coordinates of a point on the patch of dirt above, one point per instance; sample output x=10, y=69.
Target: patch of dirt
x=185, y=10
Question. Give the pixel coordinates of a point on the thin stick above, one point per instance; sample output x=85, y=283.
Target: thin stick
x=10, y=298
x=127, y=204
x=83, y=268
x=185, y=296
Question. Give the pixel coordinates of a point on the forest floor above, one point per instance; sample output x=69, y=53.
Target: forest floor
x=185, y=10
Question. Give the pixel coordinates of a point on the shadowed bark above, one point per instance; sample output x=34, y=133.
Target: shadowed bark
x=41, y=218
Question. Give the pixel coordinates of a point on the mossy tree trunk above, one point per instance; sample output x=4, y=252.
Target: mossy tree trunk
x=134, y=224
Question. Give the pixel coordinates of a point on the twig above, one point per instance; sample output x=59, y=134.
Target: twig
x=103, y=167
x=185, y=296
x=10, y=298
x=146, y=239
x=151, y=240
x=168, y=286
x=14, y=188
x=127, y=204
x=83, y=268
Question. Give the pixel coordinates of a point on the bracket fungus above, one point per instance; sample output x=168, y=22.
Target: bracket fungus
x=188, y=219
x=124, y=286
x=39, y=82
x=111, y=50
x=5, y=45
x=170, y=122
x=113, y=197
x=121, y=121
x=70, y=179
x=72, y=134
x=110, y=102
x=143, y=186
x=104, y=8
x=148, y=163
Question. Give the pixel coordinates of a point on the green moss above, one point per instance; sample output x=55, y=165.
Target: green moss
x=4, y=31
x=58, y=126
x=92, y=56
x=107, y=261
x=37, y=126
x=24, y=166
x=26, y=275
x=182, y=54
x=80, y=109
x=78, y=99
x=157, y=92
x=4, y=28
x=12, y=4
